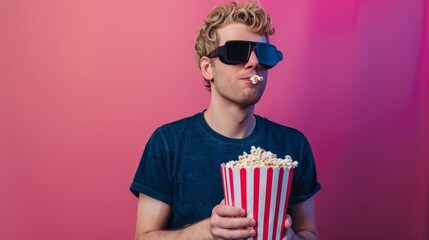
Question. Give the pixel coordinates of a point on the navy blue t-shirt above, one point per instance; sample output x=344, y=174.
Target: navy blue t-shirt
x=181, y=165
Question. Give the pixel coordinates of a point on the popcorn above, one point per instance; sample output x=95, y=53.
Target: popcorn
x=256, y=78
x=260, y=183
x=258, y=157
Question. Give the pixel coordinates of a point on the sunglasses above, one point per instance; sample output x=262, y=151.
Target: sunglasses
x=236, y=52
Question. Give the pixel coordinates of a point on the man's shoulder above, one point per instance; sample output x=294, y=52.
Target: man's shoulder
x=179, y=125
x=183, y=121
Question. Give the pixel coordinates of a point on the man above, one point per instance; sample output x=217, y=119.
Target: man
x=178, y=180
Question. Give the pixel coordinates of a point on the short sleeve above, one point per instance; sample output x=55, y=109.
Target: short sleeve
x=305, y=176
x=152, y=177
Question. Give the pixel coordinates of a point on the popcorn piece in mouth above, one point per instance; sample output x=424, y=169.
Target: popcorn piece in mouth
x=258, y=157
x=256, y=78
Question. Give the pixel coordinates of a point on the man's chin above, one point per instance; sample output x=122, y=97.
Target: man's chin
x=249, y=102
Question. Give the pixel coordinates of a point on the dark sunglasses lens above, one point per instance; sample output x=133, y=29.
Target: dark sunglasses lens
x=237, y=52
x=267, y=55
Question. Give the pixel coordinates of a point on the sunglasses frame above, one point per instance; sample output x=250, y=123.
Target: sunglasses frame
x=222, y=53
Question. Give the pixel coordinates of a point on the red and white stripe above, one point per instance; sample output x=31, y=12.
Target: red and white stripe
x=263, y=193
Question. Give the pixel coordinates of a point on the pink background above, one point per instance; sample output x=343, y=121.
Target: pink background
x=84, y=83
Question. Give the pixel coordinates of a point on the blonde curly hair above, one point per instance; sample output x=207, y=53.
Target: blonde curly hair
x=249, y=12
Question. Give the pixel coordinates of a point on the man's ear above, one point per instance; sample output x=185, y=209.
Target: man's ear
x=206, y=68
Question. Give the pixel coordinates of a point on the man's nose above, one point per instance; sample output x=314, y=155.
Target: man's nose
x=253, y=61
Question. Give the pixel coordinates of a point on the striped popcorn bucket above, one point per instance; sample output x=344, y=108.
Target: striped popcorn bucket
x=263, y=193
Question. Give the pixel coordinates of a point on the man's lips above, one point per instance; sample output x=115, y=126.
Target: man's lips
x=252, y=78
x=247, y=77
x=247, y=80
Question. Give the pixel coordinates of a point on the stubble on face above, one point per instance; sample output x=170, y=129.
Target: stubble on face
x=232, y=88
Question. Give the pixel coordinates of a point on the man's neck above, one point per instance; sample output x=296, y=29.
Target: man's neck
x=232, y=122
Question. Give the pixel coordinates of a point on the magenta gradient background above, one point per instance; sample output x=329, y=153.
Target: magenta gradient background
x=84, y=83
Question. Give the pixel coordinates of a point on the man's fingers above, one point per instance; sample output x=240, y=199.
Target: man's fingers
x=232, y=223
x=288, y=222
x=229, y=222
x=288, y=230
x=227, y=211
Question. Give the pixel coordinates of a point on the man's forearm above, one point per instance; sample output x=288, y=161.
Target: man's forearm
x=197, y=231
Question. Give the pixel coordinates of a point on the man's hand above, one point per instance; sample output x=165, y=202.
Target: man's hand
x=288, y=229
x=229, y=222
